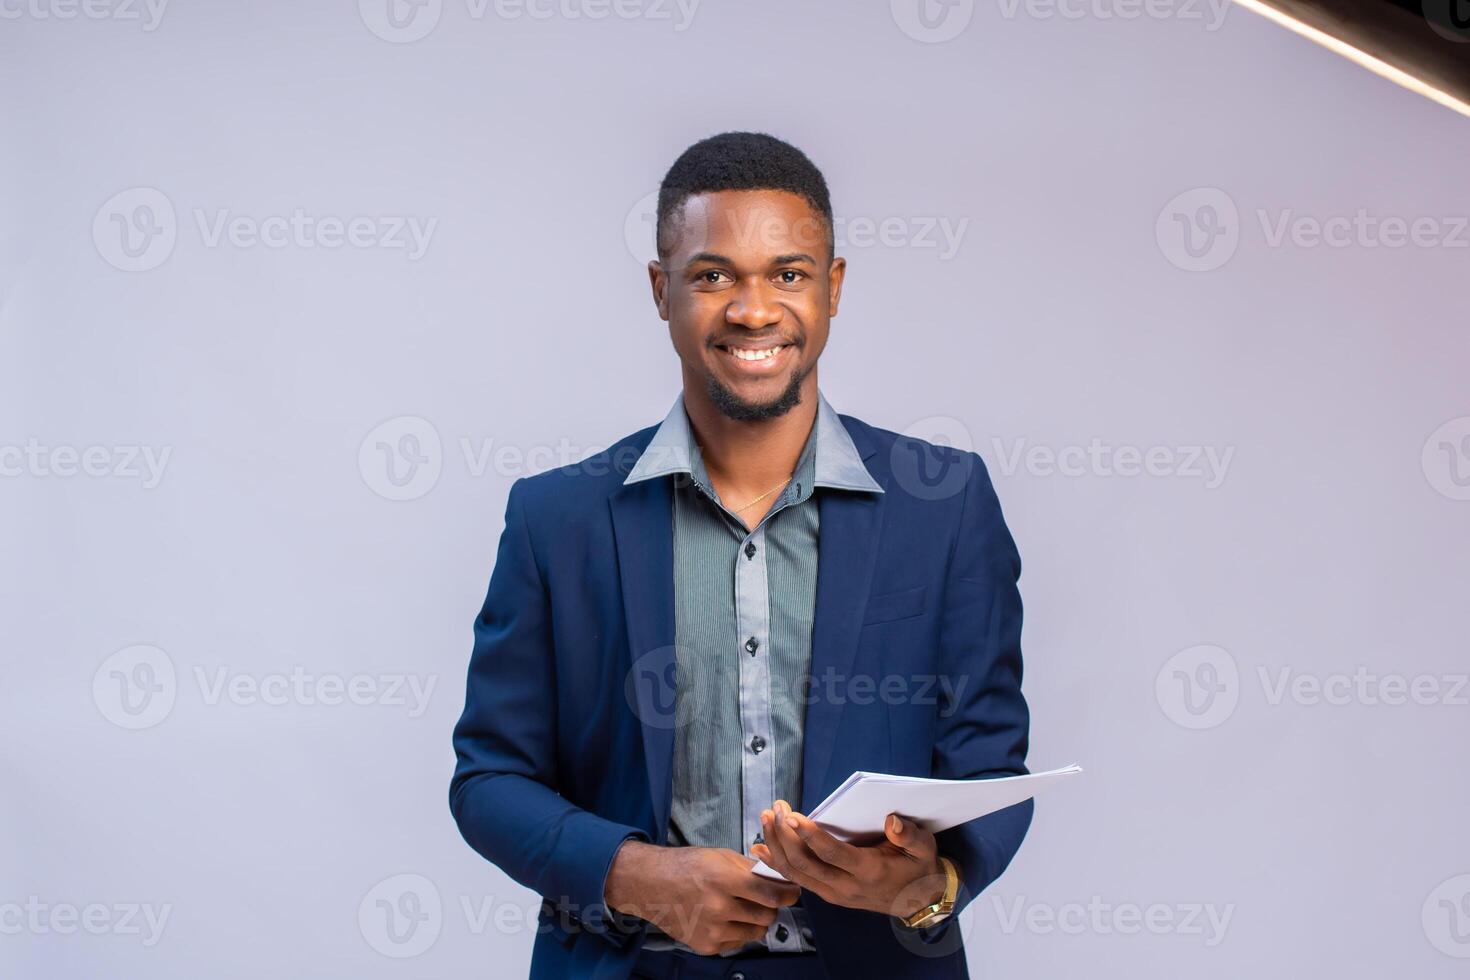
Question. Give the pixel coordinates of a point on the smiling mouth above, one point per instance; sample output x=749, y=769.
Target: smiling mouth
x=750, y=354
x=754, y=353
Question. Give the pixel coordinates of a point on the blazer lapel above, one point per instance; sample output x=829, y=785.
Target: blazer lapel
x=642, y=516
x=848, y=543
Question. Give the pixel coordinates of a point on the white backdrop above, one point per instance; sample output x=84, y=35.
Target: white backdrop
x=292, y=292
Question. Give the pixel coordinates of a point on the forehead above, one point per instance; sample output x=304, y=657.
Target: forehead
x=751, y=225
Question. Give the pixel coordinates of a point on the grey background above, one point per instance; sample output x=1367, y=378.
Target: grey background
x=1331, y=835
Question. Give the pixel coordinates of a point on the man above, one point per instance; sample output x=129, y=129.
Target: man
x=693, y=636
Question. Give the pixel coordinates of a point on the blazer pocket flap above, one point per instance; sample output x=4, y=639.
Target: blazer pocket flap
x=894, y=605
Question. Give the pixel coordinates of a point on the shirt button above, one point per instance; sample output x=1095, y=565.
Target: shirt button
x=756, y=744
x=752, y=645
x=750, y=549
x=781, y=934
x=737, y=975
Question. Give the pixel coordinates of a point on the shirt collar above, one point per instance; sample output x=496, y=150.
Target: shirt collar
x=837, y=464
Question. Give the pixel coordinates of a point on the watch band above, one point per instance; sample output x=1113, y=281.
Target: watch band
x=934, y=914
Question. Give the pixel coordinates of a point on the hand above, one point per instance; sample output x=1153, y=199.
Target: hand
x=705, y=897
x=897, y=876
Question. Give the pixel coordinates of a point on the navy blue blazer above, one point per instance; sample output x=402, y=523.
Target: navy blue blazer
x=565, y=743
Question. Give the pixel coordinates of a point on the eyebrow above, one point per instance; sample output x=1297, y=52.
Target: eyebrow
x=718, y=259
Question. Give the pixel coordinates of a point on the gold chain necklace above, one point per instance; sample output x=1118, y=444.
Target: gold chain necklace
x=764, y=495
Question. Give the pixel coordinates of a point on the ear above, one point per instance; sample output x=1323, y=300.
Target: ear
x=658, y=279
x=835, y=276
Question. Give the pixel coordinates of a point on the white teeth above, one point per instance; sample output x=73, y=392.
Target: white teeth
x=754, y=355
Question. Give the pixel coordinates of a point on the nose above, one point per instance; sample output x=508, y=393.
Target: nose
x=753, y=307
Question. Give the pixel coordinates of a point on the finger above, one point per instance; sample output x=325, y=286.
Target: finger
x=826, y=847
x=776, y=852
x=910, y=837
x=768, y=892
x=738, y=933
x=736, y=938
x=751, y=912
x=772, y=894
x=797, y=854
x=770, y=850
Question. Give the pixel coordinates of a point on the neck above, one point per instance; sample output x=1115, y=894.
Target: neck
x=750, y=457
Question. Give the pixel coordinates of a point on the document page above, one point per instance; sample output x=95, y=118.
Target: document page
x=855, y=810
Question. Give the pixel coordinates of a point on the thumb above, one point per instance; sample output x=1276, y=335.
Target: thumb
x=907, y=835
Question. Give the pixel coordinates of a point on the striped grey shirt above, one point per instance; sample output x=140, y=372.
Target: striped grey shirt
x=743, y=608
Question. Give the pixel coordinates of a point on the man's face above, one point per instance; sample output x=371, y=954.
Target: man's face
x=748, y=285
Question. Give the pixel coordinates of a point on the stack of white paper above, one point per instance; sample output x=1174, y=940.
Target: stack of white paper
x=855, y=811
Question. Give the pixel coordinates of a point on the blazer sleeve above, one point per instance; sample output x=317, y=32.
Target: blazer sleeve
x=504, y=790
x=983, y=718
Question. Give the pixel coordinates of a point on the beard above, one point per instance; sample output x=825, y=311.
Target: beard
x=740, y=410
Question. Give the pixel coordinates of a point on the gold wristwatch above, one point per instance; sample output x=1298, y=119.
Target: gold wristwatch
x=934, y=914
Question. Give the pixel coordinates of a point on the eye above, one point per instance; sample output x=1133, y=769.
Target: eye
x=796, y=275
x=710, y=276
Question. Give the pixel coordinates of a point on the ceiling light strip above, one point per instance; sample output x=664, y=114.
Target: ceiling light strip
x=1368, y=61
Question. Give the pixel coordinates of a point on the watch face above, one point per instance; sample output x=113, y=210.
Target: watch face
x=931, y=919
